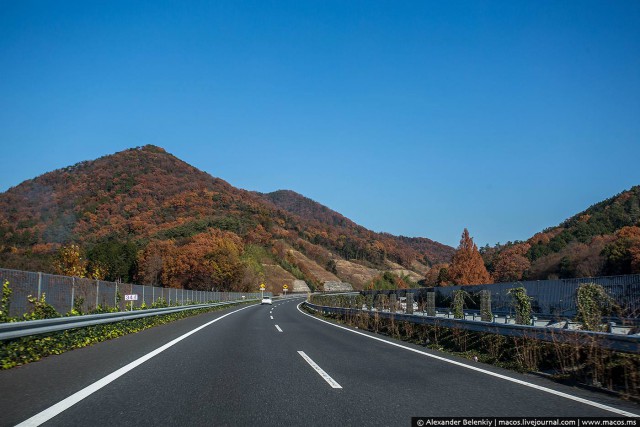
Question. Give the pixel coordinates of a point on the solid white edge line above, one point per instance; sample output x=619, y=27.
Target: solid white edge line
x=278, y=328
x=484, y=371
x=333, y=383
x=65, y=404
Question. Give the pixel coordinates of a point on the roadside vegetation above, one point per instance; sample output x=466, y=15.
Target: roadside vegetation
x=580, y=363
x=20, y=351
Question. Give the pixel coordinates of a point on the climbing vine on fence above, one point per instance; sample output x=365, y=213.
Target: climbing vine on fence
x=459, y=297
x=593, y=302
x=5, y=302
x=40, y=309
x=522, y=305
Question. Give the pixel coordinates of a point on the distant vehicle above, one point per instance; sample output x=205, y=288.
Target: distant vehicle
x=266, y=300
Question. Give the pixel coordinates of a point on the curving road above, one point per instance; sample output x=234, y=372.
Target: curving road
x=274, y=365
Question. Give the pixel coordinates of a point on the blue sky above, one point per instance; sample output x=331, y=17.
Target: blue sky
x=414, y=118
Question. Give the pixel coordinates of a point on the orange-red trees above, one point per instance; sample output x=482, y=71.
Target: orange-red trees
x=206, y=260
x=467, y=267
x=623, y=255
x=510, y=264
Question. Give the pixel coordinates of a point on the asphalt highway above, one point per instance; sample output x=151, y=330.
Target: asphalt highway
x=274, y=365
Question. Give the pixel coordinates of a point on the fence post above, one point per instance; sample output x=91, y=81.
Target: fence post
x=379, y=302
x=97, y=292
x=115, y=297
x=409, y=309
x=143, y=294
x=39, y=284
x=73, y=290
x=393, y=302
x=431, y=303
x=485, y=306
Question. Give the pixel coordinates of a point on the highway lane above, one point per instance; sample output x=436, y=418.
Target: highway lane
x=242, y=370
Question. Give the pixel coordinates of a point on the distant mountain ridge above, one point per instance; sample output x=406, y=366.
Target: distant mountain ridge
x=602, y=240
x=149, y=205
x=308, y=209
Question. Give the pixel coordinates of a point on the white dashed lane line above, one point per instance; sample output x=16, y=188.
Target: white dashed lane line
x=478, y=369
x=333, y=383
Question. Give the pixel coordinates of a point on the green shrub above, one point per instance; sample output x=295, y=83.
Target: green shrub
x=5, y=302
x=41, y=309
x=159, y=303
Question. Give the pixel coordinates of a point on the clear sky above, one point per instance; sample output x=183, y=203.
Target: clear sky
x=417, y=118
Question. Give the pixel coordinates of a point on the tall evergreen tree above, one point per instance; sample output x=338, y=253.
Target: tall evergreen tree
x=467, y=267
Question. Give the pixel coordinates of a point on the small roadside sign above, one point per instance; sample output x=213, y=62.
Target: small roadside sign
x=131, y=297
x=262, y=286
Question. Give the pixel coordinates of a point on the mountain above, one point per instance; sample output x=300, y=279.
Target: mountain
x=144, y=215
x=602, y=240
x=310, y=210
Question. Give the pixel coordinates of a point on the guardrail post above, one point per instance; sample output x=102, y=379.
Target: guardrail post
x=73, y=290
x=431, y=303
x=409, y=309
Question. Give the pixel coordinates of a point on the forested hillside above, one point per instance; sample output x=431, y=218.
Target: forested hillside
x=144, y=215
x=402, y=249
x=602, y=240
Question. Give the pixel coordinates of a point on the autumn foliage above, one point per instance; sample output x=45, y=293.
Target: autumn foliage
x=144, y=215
x=70, y=261
x=467, y=266
x=511, y=264
x=600, y=241
x=206, y=261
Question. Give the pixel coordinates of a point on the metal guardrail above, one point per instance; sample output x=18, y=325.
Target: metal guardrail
x=623, y=343
x=13, y=330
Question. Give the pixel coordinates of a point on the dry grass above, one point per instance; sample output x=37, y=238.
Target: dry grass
x=578, y=363
x=275, y=276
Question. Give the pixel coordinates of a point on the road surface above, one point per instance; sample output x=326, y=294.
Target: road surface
x=274, y=365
